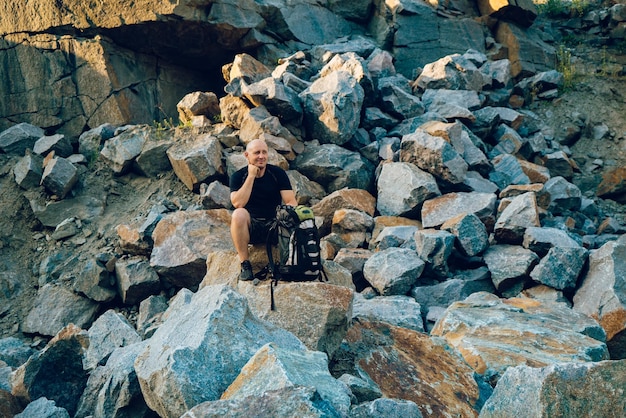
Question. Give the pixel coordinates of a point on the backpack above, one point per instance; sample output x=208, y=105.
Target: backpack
x=299, y=258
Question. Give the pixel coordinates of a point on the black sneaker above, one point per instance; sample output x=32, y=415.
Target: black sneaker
x=246, y=271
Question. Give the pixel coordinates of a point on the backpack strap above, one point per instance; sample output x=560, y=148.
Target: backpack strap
x=272, y=271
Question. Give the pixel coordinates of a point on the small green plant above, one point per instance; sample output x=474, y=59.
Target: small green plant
x=580, y=7
x=565, y=67
x=164, y=125
x=563, y=8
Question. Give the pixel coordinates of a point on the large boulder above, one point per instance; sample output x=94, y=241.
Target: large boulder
x=485, y=330
x=602, y=296
x=201, y=346
x=590, y=389
x=56, y=372
x=425, y=371
x=182, y=241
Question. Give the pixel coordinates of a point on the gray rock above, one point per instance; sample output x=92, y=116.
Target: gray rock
x=362, y=46
x=434, y=99
x=28, y=171
x=5, y=380
x=455, y=289
x=334, y=167
x=307, y=191
x=440, y=209
x=397, y=99
x=314, y=25
x=433, y=155
x=559, y=164
x=602, y=295
x=557, y=389
x=399, y=310
x=56, y=372
x=528, y=52
x=541, y=239
x=90, y=142
x=330, y=304
x=214, y=349
x=353, y=259
x=215, y=196
x=386, y=407
x=257, y=122
x=153, y=160
x=434, y=247
x=82, y=207
x=395, y=236
x=278, y=99
x=471, y=234
x=332, y=107
x=136, y=280
x=477, y=183
x=373, y=118
x=198, y=161
x=452, y=72
x=481, y=329
x=521, y=213
x=487, y=120
x=55, y=307
x=510, y=169
x=564, y=195
x=120, y=151
x=273, y=367
x=540, y=82
x=561, y=267
x=198, y=103
x=66, y=229
x=506, y=141
x=403, y=188
x=59, y=176
x=182, y=242
x=298, y=401
x=380, y=65
x=509, y=266
x=109, y=332
x=393, y=271
x=95, y=282
x=14, y=352
x=149, y=316
x=43, y=408
x=499, y=72
x=363, y=390
x=18, y=138
x=58, y=143
x=113, y=389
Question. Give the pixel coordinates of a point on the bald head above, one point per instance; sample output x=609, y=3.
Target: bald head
x=256, y=144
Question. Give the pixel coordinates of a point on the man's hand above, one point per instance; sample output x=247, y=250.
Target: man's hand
x=253, y=170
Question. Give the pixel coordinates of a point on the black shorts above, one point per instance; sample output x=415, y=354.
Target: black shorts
x=259, y=229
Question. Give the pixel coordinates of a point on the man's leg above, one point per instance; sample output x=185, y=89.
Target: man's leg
x=240, y=232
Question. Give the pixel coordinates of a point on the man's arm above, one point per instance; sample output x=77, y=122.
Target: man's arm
x=289, y=197
x=240, y=198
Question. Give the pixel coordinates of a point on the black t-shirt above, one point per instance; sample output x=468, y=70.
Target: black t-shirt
x=265, y=194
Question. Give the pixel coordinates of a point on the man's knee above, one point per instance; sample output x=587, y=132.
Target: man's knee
x=240, y=217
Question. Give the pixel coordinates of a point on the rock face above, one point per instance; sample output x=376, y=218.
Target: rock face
x=122, y=78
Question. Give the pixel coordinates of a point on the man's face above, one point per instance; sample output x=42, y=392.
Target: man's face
x=257, y=154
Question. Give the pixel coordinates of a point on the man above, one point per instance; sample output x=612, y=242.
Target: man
x=255, y=192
